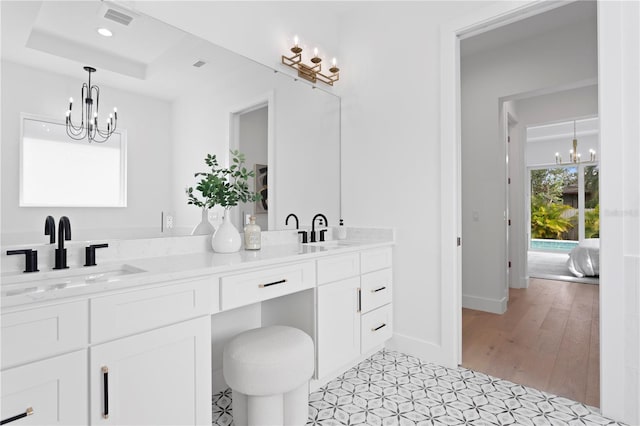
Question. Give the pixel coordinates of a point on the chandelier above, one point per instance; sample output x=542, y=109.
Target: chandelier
x=88, y=127
x=574, y=156
x=312, y=73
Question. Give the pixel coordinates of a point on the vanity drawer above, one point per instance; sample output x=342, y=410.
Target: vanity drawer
x=41, y=332
x=251, y=287
x=334, y=268
x=377, y=327
x=376, y=289
x=124, y=314
x=373, y=260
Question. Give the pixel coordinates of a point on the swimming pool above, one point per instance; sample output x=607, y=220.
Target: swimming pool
x=552, y=245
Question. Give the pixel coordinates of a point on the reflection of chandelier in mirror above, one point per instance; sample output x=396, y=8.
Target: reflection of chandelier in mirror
x=88, y=127
x=313, y=72
x=574, y=155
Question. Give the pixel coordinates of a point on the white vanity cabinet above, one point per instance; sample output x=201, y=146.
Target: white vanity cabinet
x=354, y=313
x=44, y=365
x=160, y=372
x=161, y=377
x=48, y=392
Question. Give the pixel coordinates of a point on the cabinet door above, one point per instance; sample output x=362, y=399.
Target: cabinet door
x=161, y=377
x=338, y=322
x=48, y=392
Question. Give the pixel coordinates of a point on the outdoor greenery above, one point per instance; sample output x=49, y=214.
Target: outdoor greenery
x=546, y=219
x=222, y=186
x=592, y=222
x=548, y=210
x=547, y=186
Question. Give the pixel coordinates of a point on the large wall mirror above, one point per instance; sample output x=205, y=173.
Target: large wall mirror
x=179, y=98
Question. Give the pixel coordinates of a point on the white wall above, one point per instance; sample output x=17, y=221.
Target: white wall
x=148, y=124
x=535, y=110
x=486, y=77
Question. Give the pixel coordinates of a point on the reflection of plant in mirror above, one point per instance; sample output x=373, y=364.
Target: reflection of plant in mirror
x=221, y=186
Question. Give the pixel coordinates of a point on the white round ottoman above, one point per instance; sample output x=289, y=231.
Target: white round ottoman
x=268, y=369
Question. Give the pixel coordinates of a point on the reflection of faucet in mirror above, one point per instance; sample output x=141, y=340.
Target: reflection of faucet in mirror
x=313, y=227
x=50, y=229
x=64, y=233
x=303, y=233
x=286, y=221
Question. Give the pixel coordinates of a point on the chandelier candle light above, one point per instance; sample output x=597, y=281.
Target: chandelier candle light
x=574, y=155
x=88, y=127
x=312, y=73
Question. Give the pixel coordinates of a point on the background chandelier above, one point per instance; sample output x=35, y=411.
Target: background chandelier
x=88, y=127
x=312, y=73
x=574, y=155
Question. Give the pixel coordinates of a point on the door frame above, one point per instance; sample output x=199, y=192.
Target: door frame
x=264, y=100
x=618, y=384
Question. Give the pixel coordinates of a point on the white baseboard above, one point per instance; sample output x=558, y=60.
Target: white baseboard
x=426, y=351
x=495, y=306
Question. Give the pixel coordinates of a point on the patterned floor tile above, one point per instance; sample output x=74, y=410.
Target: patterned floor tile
x=394, y=389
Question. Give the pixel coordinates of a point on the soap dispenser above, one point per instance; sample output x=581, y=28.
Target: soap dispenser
x=342, y=231
x=252, y=237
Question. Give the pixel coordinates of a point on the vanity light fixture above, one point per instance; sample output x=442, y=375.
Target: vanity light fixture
x=574, y=155
x=312, y=73
x=88, y=127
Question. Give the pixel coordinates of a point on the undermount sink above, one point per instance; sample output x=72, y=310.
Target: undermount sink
x=334, y=244
x=64, y=279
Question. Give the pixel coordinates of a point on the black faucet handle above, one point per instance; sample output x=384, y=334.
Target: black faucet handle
x=322, y=232
x=31, y=259
x=90, y=253
x=304, y=236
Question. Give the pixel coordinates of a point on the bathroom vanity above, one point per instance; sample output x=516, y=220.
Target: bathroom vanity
x=135, y=341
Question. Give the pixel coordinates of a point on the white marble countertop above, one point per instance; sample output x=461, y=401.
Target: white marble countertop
x=20, y=290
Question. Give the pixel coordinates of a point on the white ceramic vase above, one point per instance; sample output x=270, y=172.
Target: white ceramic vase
x=204, y=227
x=226, y=239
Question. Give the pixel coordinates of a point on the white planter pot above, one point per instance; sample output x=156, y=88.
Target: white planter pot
x=226, y=239
x=204, y=227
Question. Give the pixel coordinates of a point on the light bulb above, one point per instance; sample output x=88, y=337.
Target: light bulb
x=115, y=110
x=315, y=52
x=333, y=62
x=295, y=41
x=70, y=100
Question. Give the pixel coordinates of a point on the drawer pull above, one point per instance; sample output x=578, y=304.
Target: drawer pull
x=359, y=299
x=378, y=289
x=273, y=283
x=27, y=412
x=105, y=382
x=378, y=327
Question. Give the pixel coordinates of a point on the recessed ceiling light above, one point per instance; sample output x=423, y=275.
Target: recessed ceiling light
x=104, y=32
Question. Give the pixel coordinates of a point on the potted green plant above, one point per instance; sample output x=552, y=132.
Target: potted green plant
x=225, y=187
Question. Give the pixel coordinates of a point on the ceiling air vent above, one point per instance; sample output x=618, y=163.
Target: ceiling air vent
x=119, y=17
x=199, y=64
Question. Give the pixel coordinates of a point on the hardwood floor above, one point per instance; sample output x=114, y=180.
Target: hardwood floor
x=548, y=339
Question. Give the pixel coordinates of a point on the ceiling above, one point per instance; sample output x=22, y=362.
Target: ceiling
x=147, y=56
x=573, y=13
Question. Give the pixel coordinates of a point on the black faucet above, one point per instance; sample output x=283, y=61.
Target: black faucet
x=50, y=229
x=303, y=233
x=286, y=221
x=64, y=233
x=313, y=227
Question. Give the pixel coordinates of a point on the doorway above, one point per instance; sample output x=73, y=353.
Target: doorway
x=251, y=132
x=492, y=69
